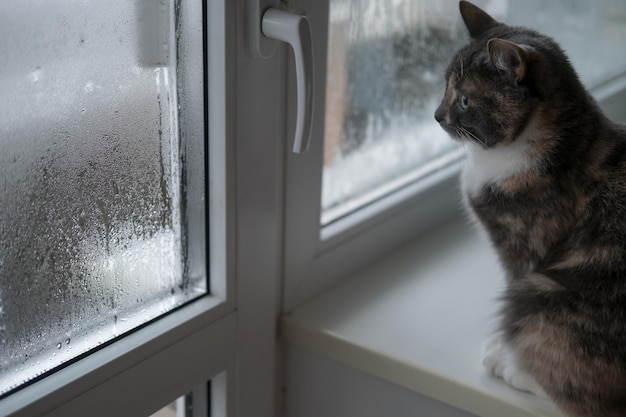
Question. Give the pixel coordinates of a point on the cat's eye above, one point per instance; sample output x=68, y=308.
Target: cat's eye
x=464, y=102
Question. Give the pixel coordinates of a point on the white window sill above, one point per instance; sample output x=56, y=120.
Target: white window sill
x=418, y=319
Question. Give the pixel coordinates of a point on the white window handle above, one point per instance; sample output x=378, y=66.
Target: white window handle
x=296, y=31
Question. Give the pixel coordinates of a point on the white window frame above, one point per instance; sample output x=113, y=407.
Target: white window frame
x=227, y=337
x=315, y=258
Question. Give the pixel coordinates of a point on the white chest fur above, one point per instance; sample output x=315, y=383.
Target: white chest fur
x=493, y=165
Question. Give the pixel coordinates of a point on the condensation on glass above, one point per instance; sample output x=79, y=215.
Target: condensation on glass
x=93, y=196
x=385, y=77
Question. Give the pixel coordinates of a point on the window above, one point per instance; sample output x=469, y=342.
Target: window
x=385, y=61
x=138, y=107
x=380, y=170
x=225, y=333
x=97, y=201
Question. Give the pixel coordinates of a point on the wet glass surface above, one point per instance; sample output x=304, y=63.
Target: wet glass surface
x=92, y=242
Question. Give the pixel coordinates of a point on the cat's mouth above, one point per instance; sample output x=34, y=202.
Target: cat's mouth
x=462, y=134
x=456, y=131
x=452, y=131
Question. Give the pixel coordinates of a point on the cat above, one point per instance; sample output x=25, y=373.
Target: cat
x=546, y=179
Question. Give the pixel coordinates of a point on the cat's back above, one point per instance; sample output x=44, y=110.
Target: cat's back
x=602, y=174
x=597, y=240
x=612, y=152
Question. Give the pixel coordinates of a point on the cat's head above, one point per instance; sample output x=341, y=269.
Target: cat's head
x=495, y=83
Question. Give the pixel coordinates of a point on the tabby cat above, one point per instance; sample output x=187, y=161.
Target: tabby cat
x=546, y=178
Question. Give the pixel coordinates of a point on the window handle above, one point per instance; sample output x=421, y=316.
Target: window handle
x=295, y=30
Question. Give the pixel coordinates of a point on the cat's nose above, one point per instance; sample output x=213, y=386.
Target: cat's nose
x=440, y=114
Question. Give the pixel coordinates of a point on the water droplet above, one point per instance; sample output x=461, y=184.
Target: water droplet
x=89, y=87
x=35, y=75
x=67, y=341
x=58, y=345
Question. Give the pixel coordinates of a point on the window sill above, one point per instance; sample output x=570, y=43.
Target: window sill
x=418, y=319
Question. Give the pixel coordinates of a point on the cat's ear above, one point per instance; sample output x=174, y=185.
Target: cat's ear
x=477, y=21
x=509, y=57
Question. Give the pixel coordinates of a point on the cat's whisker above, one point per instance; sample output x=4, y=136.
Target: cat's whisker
x=470, y=135
x=459, y=132
x=482, y=142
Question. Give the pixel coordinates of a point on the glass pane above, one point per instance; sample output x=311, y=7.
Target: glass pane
x=92, y=194
x=170, y=410
x=196, y=403
x=386, y=61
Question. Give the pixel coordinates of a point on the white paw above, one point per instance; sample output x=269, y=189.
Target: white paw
x=500, y=360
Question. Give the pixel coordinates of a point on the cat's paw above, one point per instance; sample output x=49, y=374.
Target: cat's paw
x=500, y=361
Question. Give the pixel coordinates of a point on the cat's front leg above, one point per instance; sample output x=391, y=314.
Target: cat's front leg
x=501, y=361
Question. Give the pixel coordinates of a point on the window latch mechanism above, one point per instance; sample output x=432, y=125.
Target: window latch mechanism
x=295, y=30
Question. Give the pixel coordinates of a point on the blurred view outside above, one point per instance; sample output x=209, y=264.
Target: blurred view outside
x=385, y=77
x=92, y=242
x=174, y=409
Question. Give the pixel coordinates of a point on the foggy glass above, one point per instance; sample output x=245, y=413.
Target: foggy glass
x=385, y=78
x=92, y=209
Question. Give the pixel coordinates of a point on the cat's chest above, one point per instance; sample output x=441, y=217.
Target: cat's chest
x=493, y=167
